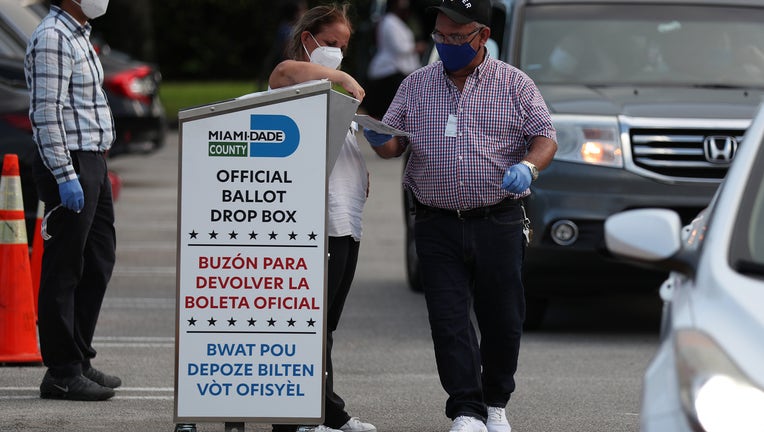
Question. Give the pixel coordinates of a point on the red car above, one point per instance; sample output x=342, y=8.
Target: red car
x=132, y=88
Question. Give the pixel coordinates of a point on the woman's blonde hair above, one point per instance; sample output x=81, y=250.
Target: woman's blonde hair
x=313, y=21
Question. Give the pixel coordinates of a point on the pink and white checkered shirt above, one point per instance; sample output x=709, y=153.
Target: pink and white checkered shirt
x=493, y=120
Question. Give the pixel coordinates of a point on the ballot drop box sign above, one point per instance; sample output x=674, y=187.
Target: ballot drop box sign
x=252, y=254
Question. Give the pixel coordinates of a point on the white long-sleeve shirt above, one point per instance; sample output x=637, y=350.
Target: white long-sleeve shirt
x=348, y=183
x=396, y=49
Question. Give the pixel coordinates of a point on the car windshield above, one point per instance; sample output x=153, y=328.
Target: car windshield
x=650, y=45
x=10, y=46
x=18, y=19
x=747, y=251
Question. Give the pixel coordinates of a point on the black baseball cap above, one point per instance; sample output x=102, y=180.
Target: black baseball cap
x=466, y=11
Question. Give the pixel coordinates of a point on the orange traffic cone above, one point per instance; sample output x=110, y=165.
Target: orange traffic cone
x=18, y=331
x=36, y=258
x=116, y=185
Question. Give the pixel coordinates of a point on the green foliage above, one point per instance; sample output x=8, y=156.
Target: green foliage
x=209, y=39
x=221, y=39
x=204, y=39
x=177, y=95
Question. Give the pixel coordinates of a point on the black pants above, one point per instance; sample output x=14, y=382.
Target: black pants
x=77, y=263
x=473, y=263
x=343, y=257
x=377, y=101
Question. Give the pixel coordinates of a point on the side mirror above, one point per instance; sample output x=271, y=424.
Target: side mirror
x=648, y=236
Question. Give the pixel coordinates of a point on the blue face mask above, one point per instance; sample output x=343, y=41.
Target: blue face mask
x=455, y=57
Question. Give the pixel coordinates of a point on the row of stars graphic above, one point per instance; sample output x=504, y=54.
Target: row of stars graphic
x=252, y=235
x=250, y=322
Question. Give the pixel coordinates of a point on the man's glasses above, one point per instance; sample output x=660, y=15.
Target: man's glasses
x=454, y=38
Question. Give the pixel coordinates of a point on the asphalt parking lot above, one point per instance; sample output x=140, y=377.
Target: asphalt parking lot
x=581, y=371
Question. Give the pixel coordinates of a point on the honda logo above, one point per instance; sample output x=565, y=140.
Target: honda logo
x=720, y=149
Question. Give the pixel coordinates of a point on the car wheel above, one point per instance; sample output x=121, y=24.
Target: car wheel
x=412, y=261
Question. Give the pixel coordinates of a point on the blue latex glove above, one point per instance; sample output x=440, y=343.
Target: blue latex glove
x=71, y=195
x=376, y=139
x=517, y=179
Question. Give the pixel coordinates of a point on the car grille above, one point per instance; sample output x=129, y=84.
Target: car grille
x=679, y=153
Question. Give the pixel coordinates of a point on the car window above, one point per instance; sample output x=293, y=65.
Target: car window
x=756, y=233
x=747, y=248
x=627, y=44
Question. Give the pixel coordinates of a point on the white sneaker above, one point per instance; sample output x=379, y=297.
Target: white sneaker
x=467, y=424
x=497, y=420
x=319, y=428
x=356, y=425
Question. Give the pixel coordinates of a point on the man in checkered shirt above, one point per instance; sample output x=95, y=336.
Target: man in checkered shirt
x=73, y=128
x=480, y=132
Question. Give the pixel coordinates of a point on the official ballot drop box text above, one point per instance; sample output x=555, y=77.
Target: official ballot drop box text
x=252, y=254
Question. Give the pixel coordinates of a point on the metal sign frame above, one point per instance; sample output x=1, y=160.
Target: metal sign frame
x=252, y=254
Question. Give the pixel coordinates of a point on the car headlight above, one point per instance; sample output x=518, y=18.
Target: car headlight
x=716, y=394
x=588, y=139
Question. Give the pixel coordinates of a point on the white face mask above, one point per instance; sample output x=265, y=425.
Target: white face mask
x=93, y=8
x=330, y=57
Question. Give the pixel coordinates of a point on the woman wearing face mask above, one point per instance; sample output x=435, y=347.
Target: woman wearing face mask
x=316, y=47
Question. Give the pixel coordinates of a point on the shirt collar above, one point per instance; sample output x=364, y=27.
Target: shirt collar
x=69, y=21
x=483, y=65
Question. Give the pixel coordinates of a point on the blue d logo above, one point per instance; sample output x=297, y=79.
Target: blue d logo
x=273, y=136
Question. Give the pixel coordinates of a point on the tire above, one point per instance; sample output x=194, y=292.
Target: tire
x=412, y=261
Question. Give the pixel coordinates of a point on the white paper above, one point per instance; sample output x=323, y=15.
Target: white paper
x=451, y=126
x=377, y=126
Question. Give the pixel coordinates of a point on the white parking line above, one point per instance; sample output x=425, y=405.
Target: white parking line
x=169, y=398
x=143, y=246
x=134, y=339
x=149, y=393
x=119, y=390
x=134, y=342
x=139, y=302
x=117, y=396
x=143, y=271
x=134, y=345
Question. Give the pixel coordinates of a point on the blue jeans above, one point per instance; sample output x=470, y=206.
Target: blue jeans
x=474, y=262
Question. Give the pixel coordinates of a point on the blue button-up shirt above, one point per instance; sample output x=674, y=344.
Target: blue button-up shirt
x=69, y=110
x=462, y=142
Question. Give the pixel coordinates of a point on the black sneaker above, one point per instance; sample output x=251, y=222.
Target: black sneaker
x=74, y=388
x=101, y=378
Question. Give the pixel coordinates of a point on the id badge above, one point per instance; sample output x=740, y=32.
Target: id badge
x=451, y=126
